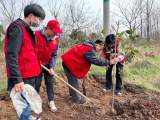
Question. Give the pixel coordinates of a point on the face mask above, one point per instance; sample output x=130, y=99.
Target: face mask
x=34, y=24
x=49, y=38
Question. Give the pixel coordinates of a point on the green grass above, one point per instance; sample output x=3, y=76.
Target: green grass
x=97, y=70
x=3, y=78
x=143, y=71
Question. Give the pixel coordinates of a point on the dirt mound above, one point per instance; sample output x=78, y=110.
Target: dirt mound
x=135, y=104
x=144, y=108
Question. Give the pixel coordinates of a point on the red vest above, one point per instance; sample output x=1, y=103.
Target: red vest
x=44, y=49
x=27, y=58
x=75, y=61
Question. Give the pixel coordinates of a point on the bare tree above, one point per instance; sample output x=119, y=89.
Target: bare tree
x=155, y=17
x=149, y=6
x=78, y=16
x=55, y=8
x=11, y=9
x=130, y=13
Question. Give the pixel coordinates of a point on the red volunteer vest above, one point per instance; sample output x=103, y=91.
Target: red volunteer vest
x=75, y=61
x=44, y=49
x=27, y=58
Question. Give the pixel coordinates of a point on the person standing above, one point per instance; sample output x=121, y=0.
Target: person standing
x=22, y=63
x=47, y=48
x=111, y=50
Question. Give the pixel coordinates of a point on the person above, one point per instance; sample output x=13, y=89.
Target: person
x=22, y=64
x=47, y=48
x=111, y=49
x=77, y=61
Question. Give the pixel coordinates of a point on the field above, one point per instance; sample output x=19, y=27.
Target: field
x=140, y=100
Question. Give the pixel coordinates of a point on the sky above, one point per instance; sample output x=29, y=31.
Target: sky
x=96, y=6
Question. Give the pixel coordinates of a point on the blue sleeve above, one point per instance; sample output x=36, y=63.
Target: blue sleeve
x=54, y=57
x=94, y=59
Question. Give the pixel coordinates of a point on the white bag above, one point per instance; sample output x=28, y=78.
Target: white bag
x=29, y=98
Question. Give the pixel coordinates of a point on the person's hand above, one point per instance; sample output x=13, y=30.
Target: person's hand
x=114, y=61
x=121, y=57
x=19, y=87
x=51, y=71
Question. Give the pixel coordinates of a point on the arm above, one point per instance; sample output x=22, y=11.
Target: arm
x=54, y=57
x=13, y=49
x=92, y=58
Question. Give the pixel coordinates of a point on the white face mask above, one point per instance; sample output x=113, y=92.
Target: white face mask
x=35, y=28
x=35, y=23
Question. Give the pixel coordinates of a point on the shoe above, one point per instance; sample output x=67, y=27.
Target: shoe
x=106, y=90
x=34, y=118
x=52, y=106
x=119, y=93
x=81, y=101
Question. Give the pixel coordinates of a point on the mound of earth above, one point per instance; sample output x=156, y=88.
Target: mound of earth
x=135, y=104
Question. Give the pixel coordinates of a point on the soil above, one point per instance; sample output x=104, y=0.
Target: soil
x=134, y=104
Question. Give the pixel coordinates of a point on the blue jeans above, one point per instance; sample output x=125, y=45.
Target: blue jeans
x=48, y=82
x=119, y=68
x=72, y=80
x=26, y=113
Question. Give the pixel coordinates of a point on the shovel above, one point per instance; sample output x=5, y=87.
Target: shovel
x=61, y=79
x=113, y=86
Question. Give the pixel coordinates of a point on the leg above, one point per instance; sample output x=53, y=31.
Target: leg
x=49, y=85
x=26, y=113
x=109, y=77
x=72, y=80
x=38, y=82
x=30, y=81
x=119, y=69
x=50, y=89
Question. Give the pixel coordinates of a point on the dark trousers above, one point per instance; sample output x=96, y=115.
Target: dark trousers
x=72, y=80
x=48, y=82
x=31, y=81
x=119, y=68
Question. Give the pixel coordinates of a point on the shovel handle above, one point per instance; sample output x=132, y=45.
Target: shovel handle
x=67, y=84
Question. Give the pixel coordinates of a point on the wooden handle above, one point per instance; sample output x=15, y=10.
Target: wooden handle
x=67, y=84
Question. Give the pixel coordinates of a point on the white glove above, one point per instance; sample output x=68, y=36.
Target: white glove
x=120, y=58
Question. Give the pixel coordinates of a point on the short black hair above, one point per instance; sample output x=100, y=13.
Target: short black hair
x=98, y=41
x=34, y=9
x=110, y=39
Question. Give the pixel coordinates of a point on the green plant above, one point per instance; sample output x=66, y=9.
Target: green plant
x=131, y=53
x=132, y=35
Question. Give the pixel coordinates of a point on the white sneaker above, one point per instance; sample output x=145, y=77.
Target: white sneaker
x=52, y=106
x=106, y=90
x=34, y=118
x=119, y=93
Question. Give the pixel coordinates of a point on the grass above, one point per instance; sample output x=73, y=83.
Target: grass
x=143, y=71
x=3, y=78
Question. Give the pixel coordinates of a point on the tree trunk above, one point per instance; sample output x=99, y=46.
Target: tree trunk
x=148, y=22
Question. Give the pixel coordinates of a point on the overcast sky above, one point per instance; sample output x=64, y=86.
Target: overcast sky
x=96, y=6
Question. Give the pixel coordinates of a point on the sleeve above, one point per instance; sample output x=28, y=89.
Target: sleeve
x=15, y=38
x=54, y=57
x=91, y=57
